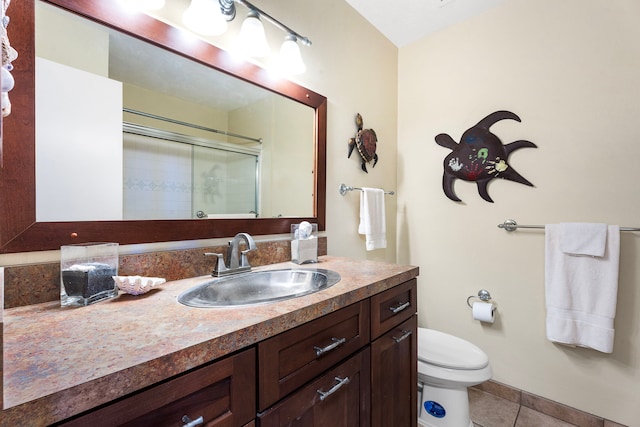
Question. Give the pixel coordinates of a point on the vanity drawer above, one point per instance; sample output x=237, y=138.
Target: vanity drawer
x=392, y=307
x=339, y=398
x=291, y=359
x=222, y=393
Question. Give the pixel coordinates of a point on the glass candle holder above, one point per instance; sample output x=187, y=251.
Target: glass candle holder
x=86, y=273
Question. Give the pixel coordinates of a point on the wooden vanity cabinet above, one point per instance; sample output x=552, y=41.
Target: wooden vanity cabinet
x=354, y=367
x=222, y=393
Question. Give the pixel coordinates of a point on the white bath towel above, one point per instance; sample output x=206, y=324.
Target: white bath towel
x=372, y=218
x=581, y=291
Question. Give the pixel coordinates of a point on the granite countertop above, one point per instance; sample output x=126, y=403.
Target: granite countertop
x=59, y=362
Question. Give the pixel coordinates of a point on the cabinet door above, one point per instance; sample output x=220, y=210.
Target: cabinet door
x=394, y=377
x=222, y=393
x=339, y=398
x=291, y=359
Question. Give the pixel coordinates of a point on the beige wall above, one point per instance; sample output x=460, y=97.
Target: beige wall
x=571, y=71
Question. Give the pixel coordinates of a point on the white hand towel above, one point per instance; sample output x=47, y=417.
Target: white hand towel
x=372, y=218
x=581, y=292
x=583, y=238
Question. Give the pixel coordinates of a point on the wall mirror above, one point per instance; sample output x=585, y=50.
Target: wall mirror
x=26, y=227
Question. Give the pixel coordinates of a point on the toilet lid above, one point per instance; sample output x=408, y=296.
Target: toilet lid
x=447, y=351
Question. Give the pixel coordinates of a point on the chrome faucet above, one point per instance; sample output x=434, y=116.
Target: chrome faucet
x=237, y=260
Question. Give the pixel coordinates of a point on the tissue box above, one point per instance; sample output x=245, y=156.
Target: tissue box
x=86, y=273
x=304, y=243
x=304, y=251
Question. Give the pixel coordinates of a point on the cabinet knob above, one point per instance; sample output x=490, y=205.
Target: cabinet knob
x=192, y=423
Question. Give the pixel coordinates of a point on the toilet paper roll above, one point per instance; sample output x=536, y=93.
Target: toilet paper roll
x=484, y=311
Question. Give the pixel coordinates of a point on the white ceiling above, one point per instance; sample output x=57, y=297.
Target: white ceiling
x=405, y=21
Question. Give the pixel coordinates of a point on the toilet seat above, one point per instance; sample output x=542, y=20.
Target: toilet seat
x=447, y=351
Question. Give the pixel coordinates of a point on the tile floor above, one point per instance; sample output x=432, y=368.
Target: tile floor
x=494, y=405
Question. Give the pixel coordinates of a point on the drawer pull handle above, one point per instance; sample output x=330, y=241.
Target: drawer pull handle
x=397, y=309
x=322, y=350
x=192, y=423
x=405, y=335
x=341, y=382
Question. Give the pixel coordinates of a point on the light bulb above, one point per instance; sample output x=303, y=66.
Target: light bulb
x=290, y=60
x=205, y=17
x=253, y=41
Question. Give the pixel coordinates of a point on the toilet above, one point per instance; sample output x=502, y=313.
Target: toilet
x=447, y=365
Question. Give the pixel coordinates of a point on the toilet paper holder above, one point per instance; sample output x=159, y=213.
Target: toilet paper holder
x=483, y=295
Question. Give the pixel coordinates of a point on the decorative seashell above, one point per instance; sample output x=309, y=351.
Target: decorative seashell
x=137, y=285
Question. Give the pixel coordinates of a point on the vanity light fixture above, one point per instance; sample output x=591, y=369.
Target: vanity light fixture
x=210, y=17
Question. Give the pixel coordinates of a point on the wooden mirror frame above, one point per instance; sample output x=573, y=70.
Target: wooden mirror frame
x=19, y=231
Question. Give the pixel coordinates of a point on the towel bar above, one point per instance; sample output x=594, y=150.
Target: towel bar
x=512, y=225
x=344, y=188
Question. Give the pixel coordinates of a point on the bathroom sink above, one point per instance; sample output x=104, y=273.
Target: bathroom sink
x=258, y=287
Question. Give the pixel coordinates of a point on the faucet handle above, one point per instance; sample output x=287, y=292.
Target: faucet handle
x=220, y=267
x=244, y=259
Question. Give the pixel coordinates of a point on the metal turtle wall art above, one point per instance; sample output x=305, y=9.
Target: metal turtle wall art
x=366, y=142
x=480, y=156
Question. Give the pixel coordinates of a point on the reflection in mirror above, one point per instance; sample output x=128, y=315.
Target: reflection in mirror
x=138, y=132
